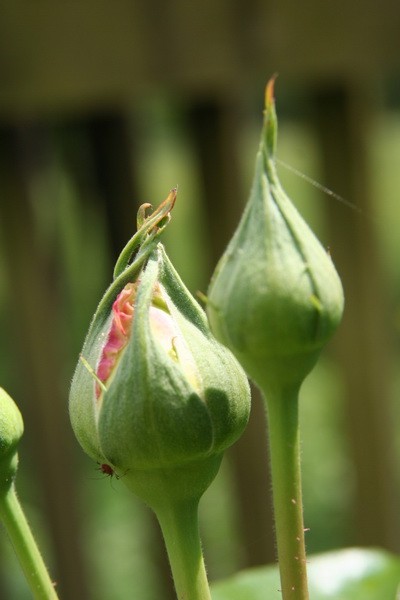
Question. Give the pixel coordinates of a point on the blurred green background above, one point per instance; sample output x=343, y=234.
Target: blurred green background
x=106, y=106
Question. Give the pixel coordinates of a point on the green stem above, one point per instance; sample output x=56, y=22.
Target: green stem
x=25, y=546
x=283, y=423
x=179, y=524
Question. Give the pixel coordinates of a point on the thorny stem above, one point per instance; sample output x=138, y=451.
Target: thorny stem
x=282, y=409
x=179, y=524
x=25, y=546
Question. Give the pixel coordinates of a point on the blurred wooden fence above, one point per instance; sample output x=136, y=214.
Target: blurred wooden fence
x=65, y=65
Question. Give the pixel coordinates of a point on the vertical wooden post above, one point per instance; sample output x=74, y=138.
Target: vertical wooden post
x=32, y=280
x=343, y=115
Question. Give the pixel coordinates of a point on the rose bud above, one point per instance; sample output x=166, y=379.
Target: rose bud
x=154, y=390
x=11, y=430
x=275, y=297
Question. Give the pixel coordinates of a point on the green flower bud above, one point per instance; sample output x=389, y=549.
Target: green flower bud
x=160, y=392
x=11, y=430
x=275, y=297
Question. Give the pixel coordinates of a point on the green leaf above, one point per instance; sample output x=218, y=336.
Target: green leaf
x=350, y=574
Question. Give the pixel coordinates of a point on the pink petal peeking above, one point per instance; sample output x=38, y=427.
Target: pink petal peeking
x=118, y=335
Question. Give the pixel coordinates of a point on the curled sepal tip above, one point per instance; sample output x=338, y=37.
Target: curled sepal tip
x=149, y=227
x=141, y=215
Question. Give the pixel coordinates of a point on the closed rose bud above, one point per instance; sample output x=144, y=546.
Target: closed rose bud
x=275, y=297
x=155, y=390
x=11, y=430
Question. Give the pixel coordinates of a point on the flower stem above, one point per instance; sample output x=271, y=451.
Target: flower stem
x=18, y=529
x=282, y=409
x=179, y=524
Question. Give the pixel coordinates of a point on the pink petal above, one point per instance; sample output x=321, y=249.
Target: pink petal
x=118, y=335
